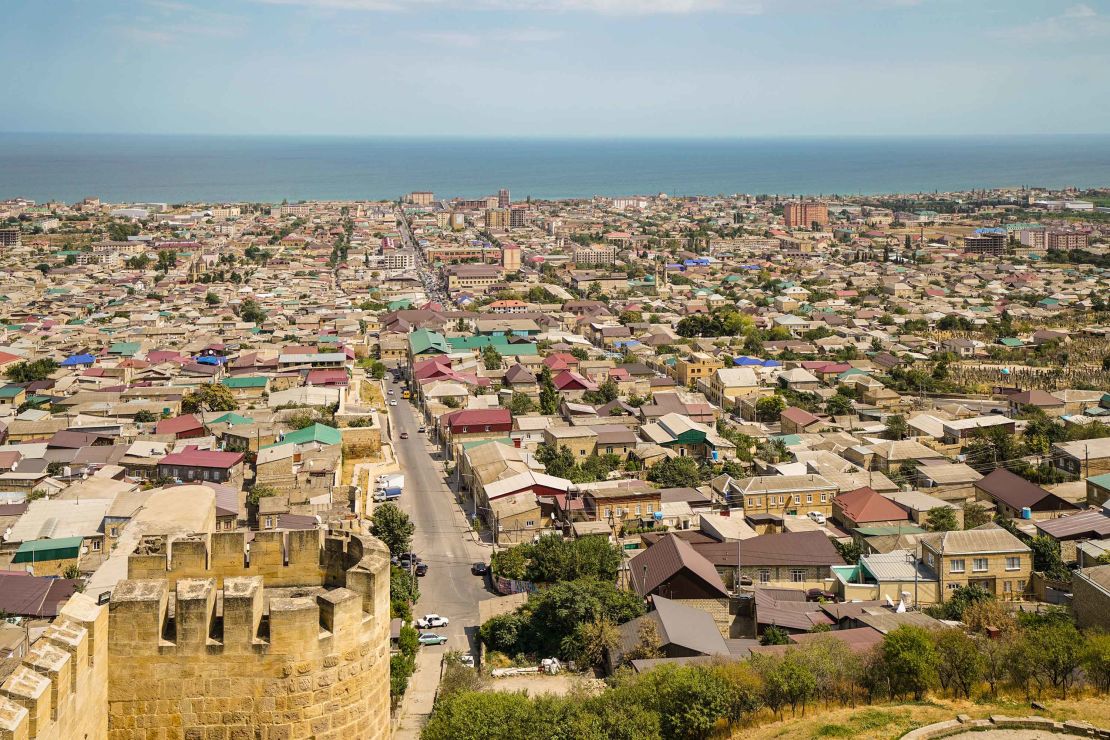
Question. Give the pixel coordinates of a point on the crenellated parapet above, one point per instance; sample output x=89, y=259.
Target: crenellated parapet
x=207, y=638
x=60, y=688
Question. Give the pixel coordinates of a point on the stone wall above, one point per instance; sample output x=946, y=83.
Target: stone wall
x=59, y=692
x=189, y=660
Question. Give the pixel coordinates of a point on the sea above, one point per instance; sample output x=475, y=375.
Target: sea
x=122, y=168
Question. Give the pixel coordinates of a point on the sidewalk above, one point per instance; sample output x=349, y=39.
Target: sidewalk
x=416, y=704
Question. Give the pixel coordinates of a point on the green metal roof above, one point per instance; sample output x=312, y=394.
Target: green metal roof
x=124, y=348
x=500, y=343
x=1102, y=481
x=479, y=442
x=37, y=551
x=423, y=341
x=316, y=433
x=245, y=381
x=10, y=391
x=876, y=531
x=233, y=419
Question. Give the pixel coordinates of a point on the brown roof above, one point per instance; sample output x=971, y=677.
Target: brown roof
x=789, y=548
x=1012, y=490
x=801, y=417
x=866, y=505
x=657, y=564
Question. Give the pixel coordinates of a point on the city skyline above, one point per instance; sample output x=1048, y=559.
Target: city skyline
x=574, y=68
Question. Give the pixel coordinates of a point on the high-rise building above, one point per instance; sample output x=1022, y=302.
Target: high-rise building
x=987, y=242
x=516, y=217
x=1066, y=240
x=803, y=215
x=9, y=238
x=503, y=200
x=497, y=218
x=510, y=257
x=421, y=198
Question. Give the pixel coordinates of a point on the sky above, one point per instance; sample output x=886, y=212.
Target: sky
x=567, y=68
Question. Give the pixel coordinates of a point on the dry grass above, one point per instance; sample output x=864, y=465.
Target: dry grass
x=888, y=721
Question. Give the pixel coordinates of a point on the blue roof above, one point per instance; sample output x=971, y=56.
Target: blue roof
x=772, y=363
x=211, y=360
x=747, y=361
x=78, y=360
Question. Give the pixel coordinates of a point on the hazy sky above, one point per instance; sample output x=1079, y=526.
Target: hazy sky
x=556, y=67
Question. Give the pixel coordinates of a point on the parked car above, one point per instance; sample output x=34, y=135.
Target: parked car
x=816, y=516
x=431, y=638
x=393, y=402
x=406, y=557
x=421, y=430
x=431, y=620
x=404, y=435
x=479, y=569
x=421, y=569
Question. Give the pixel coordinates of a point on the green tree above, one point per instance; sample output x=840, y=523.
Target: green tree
x=209, y=397
x=774, y=635
x=910, y=661
x=1056, y=648
x=558, y=610
x=591, y=643
x=975, y=515
x=250, y=311
x=489, y=715
x=257, y=493
x=393, y=527
x=166, y=260
x=557, y=461
x=549, y=400
x=521, y=403
x=851, y=551
x=377, y=369
x=941, y=519
x=1096, y=660
x=118, y=231
x=143, y=416
x=30, y=371
x=768, y=408
x=959, y=661
x=1047, y=558
x=211, y=299
x=606, y=392
x=675, y=472
x=491, y=358
x=896, y=427
x=838, y=405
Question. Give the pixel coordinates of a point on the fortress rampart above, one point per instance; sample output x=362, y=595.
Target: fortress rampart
x=208, y=638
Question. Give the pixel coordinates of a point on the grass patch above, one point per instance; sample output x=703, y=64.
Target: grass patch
x=834, y=731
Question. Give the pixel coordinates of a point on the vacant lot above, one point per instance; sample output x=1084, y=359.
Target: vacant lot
x=888, y=721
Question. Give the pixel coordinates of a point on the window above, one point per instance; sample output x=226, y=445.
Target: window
x=637, y=510
x=1013, y=563
x=764, y=576
x=96, y=545
x=1007, y=587
x=957, y=565
x=809, y=498
x=529, y=523
x=1021, y=585
x=582, y=453
x=952, y=586
x=797, y=499
x=651, y=508
x=797, y=575
x=608, y=450
x=608, y=512
x=929, y=557
x=750, y=500
x=269, y=524
x=979, y=564
x=113, y=532
x=824, y=498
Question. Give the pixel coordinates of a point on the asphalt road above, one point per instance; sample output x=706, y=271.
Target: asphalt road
x=442, y=538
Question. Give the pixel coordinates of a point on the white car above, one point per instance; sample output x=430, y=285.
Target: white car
x=816, y=516
x=431, y=620
x=393, y=402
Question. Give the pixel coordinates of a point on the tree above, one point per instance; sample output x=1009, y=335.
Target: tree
x=166, y=260
x=975, y=515
x=42, y=267
x=675, y=472
x=30, y=371
x=377, y=370
x=838, y=405
x=55, y=468
x=910, y=661
x=1056, y=650
x=250, y=311
x=118, y=231
x=142, y=416
x=393, y=527
x=491, y=358
x=648, y=644
x=959, y=661
x=521, y=403
x=896, y=427
x=557, y=461
x=558, y=610
x=211, y=299
x=591, y=643
x=851, y=551
x=606, y=392
x=774, y=635
x=549, y=400
x=768, y=408
x=258, y=493
x=1096, y=660
x=209, y=397
x=960, y=598
x=580, y=353
x=1047, y=558
x=941, y=519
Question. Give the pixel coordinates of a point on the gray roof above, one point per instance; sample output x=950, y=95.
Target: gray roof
x=688, y=627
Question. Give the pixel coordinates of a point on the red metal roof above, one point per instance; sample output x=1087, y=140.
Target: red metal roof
x=194, y=458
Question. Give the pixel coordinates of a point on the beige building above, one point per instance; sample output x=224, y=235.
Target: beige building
x=727, y=386
x=695, y=367
x=987, y=556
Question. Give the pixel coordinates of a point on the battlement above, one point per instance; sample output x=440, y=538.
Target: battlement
x=347, y=589
x=283, y=558
x=63, y=675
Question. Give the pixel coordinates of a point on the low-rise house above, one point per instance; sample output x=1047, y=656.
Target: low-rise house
x=987, y=556
x=864, y=506
x=688, y=438
x=1090, y=600
x=1083, y=458
x=202, y=465
x=781, y=495
x=1016, y=498
x=728, y=385
x=897, y=575
x=1069, y=531
x=672, y=568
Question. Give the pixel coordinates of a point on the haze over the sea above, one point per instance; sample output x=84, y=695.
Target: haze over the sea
x=178, y=168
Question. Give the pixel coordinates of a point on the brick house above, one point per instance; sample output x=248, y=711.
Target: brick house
x=202, y=465
x=987, y=556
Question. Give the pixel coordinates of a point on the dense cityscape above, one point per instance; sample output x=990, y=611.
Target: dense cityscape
x=620, y=467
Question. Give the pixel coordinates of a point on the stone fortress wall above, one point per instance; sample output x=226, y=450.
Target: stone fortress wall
x=208, y=638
